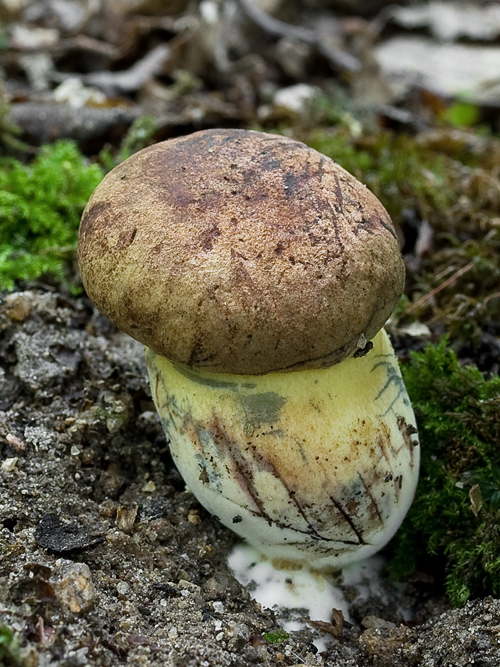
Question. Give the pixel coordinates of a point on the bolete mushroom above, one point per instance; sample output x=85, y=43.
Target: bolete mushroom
x=259, y=275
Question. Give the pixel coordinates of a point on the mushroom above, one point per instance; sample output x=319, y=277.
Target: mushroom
x=259, y=275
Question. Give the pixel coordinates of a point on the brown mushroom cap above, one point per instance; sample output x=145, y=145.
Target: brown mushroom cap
x=240, y=252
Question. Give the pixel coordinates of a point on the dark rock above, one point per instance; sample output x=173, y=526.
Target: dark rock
x=54, y=535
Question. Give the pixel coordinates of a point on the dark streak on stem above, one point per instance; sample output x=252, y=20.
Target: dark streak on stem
x=244, y=475
x=348, y=519
x=370, y=495
x=407, y=430
x=392, y=378
x=241, y=468
x=398, y=483
x=382, y=445
x=313, y=532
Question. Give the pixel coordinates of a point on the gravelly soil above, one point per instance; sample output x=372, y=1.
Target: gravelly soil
x=106, y=558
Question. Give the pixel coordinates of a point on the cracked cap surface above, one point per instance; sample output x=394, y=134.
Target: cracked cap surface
x=240, y=252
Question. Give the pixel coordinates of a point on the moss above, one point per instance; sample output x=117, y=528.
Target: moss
x=453, y=526
x=461, y=114
x=9, y=648
x=277, y=637
x=41, y=204
x=40, y=209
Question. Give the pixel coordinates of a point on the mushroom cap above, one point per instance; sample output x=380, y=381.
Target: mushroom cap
x=241, y=252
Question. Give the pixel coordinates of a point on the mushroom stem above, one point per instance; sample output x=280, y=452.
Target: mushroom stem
x=314, y=466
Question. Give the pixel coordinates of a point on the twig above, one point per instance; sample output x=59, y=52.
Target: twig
x=438, y=289
x=125, y=81
x=495, y=295
x=279, y=28
x=78, y=42
x=85, y=43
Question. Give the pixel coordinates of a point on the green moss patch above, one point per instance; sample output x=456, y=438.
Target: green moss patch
x=40, y=208
x=9, y=648
x=453, y=527
x=277, y=637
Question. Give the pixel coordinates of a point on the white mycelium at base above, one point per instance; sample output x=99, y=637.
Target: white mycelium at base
x=286, y=588
x=302, y=589
x=316, y=466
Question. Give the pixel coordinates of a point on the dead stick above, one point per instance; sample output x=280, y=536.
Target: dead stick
x=495, y=295
x=438, y=289
x=279, y=28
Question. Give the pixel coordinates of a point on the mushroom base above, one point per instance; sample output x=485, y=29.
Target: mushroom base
x=316, y=466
